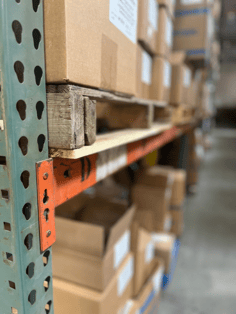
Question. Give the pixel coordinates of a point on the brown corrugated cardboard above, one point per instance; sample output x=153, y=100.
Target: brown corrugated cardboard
x=164, y=244
x=150, y=293
x=193, y=31
x=169, y=4
x=72, y=298
x=92, y=43
x=148, y=24
x=180, y=79
x=164, y=40
x=96, y=245
x=144, y=73
x=157, y=176
x=177, y=215
x=152, y=206
x=144, y=259
x=161, y=79
x=130, y=307
x=192, y=4
x=178, y=188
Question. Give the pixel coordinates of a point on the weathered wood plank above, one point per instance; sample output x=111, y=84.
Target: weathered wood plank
x=90, y=121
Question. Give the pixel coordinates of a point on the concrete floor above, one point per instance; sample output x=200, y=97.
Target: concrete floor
x=205, y=278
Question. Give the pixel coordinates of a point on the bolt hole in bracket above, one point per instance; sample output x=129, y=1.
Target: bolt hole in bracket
x=45, y=183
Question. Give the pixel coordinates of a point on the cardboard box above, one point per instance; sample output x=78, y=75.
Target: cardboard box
x=131, y=307
x=157, y=176
x=164, y=244
x=150, y=292
x=72, y=298
x=170, y=5
x=180, y=79
x=177, y=215
x=193, y=31
x=144, y=259
x=152, y=206
x=144, y=73
x=88, y=252
x=148, y=24
x=164, y=40
x=161, y=79
x=91, y=43
x=178, y=188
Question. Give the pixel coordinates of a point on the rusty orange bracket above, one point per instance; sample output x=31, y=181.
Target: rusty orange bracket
x=46, y=203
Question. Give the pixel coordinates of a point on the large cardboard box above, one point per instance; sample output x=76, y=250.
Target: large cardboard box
x=72, y=298
x=164, y=41
x=170, y=5
x=144, y=259
x=193, y=32
x=148, y=24
x=180, y=80
x=89, y=252
x=178, y=188
x=144, y=73
x=91, y=43
x=150, y=292
x=164, y=245
x=161, y=79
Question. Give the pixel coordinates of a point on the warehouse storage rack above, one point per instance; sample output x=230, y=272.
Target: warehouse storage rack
x=32, y=183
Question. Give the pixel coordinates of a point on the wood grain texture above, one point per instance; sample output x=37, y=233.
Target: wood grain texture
x=90, y=121
x=65, y=120
x=103, y=95
x=110, y=140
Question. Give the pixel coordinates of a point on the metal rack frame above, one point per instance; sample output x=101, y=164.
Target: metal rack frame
x=31, y=185
x=25, y=271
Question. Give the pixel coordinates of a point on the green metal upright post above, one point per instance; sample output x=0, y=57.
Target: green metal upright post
x=25, y=271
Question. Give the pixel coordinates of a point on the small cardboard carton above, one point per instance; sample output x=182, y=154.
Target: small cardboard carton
x=177, y=215
x=161, y=79
x=170, y=5
x=164, y=245
x=144, y=260
x=91, y=43
x=144, y=73
x=164, y=41
x=180, y=80
x=150, y=292
x=89, y=251
x=148, y=24
x=193, y=32
x=72, y=298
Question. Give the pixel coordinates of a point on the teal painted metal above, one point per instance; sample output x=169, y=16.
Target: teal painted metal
x=23, y=142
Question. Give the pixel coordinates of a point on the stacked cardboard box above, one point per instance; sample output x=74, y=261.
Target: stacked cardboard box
x=152, y=194
x=155, y=33
x=92, y=262
x=193, y=161
x=194, y=29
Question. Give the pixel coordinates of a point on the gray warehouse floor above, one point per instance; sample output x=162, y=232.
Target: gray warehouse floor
x=205, y=278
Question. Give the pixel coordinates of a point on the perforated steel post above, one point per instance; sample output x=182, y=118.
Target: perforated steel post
x=25, y=271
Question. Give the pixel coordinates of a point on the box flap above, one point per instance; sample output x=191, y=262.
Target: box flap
x=80, y=236
x=119, y=228
x=178, y=57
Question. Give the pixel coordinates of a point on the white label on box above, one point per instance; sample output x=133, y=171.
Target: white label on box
x=169, y=32
x=121, y=249
x=149, y=252
x=167, y=74
x=153, y=14
x=146, y=68
x=124, y=15
x=160, y=237
x=187, y=77
x=167, y=224
x=157, y=279
x=128, y=306
x=125, y=277
x=190, y=2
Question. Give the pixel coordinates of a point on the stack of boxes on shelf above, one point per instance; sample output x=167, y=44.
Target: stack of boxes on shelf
x=195, y=29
